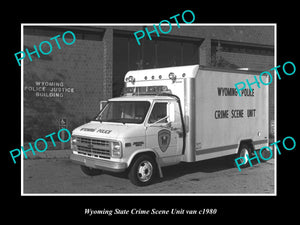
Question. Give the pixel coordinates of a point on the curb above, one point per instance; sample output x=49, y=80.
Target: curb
x=49, y=154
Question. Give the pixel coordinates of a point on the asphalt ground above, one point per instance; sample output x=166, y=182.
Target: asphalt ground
x=58, y=175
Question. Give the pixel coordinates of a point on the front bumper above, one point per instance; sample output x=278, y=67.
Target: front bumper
x=99, y=163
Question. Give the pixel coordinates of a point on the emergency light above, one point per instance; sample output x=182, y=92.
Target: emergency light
x=150, y=90
x=130, y=79
x=172, y=76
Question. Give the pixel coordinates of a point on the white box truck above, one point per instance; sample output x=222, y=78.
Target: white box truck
x=172, y=115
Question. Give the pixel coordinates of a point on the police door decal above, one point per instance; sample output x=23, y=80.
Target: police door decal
x=164, y=137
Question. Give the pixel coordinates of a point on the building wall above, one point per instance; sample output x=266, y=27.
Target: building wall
x=77, y=68
x=90, y=66
x=260, y=35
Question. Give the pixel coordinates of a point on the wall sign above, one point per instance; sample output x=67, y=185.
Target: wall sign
x=49, y=89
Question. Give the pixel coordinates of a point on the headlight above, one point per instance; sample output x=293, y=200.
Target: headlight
x=73, y=142
x=116, y=149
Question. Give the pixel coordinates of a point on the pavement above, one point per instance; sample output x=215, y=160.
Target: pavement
x=53, y=173
x=49, y=154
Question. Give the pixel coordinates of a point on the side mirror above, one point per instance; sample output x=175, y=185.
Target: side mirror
x=102, y=104
x=168, y=125
x=156, y=123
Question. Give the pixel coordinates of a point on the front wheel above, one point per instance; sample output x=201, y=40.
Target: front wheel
x=143, y=171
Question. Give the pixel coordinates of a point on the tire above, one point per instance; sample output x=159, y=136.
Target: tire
x=245, y=149
x=143, y=171
x=90, y=171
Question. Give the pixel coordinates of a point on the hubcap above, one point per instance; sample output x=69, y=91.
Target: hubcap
x=145, y=171
x=243, y=153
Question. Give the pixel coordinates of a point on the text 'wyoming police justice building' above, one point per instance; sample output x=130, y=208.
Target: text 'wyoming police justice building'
x=68, y=84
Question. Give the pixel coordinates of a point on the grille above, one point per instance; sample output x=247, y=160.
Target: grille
x=93, y=147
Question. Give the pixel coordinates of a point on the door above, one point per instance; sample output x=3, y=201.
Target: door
x=164, y=131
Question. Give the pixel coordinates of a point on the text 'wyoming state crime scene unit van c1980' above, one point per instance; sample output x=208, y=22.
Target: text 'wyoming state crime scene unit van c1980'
x=172, y=115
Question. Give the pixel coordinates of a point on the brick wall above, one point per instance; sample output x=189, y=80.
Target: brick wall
x=78, y=67
x=87, y=67
x=251, y=61
x=261, y=35
x=108, y=64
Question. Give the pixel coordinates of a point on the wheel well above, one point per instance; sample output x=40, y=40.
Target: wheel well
x=151, y=154
x=248, y=142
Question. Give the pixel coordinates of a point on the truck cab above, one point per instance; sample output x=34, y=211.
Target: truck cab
x=139, y=133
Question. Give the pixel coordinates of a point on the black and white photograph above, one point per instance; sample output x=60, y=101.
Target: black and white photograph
x=149, y=112
x=148, y=109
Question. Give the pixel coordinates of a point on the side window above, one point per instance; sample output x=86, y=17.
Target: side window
x=159, y=111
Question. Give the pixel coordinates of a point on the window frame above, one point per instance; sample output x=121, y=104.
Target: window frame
x=151, y=109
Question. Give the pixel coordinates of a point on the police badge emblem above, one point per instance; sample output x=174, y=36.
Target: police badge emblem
x=164, y=137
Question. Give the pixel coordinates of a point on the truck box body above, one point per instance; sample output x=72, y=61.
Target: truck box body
x=223, y=118
x=217, y=119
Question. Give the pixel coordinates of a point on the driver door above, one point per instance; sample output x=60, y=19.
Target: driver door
x=162, y=131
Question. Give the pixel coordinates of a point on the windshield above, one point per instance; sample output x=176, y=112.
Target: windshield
x=124, y=112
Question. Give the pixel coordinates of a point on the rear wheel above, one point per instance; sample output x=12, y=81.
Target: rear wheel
x=90, y=171
x=244, y=150
x=143, y=171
